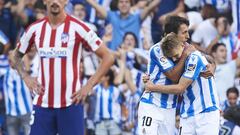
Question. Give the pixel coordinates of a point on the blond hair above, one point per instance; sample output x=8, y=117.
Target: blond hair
x=169, y=43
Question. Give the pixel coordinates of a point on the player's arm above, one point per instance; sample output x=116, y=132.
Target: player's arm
x=24, y=45
x=175, y=73
x=211, y=67
x=169, y=89
x=16, y=58
x=149, y=8
x=99, y=9
x=107, y=61
x=31, y=82
x=194, y=66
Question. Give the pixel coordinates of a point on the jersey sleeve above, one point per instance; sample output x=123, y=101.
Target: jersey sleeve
x=90, y=39
x=193, y=67
x=158, y=58
x=26, y=41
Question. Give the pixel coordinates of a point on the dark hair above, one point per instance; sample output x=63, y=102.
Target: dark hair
x=233, y=90
x=110, y=74
x=228, y=18
x=215, y=47
x=209, y=11
x=173, y=24
x=134, y=36
x=39, y=5
x=233, y=114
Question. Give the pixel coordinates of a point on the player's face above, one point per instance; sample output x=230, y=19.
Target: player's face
x=182, y=34
x=124, y=6
x=55, y=7
x=232, y=98
x=176, y=53
x=221, y=55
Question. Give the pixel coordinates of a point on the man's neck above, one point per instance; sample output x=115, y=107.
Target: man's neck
x=56, y=20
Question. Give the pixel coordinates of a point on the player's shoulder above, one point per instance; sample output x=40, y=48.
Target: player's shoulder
x=156, y=48
x=197, y=57
x=194, y=56
x=36, y=24
x=79, y=23
x=198, y=54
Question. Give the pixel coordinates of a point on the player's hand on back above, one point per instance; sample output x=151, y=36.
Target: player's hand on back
x=149, y=86
x=209, y=71
x=145, y=78
x=33, y=84
x=188, y=49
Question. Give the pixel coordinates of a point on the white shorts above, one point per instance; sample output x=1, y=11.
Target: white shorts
x=201, y=124
x=107, y=126
x=153, y=120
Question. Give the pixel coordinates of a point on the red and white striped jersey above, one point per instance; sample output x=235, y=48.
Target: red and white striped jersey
x=60, y=52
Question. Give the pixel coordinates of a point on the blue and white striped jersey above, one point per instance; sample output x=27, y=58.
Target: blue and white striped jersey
x=16, y=94
x=158, y=64
x=3, y=64
x=201, y=95
x=107, y=103
x=3, y=58
x=131, y=103
x=236, y=16
x=137, y=78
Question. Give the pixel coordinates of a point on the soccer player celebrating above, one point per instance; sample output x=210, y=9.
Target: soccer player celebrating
x=158, y=117
x=200, y=106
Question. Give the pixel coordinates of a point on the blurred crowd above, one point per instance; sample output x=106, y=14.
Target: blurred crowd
x=129, y=28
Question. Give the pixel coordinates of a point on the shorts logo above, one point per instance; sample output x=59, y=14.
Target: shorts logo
x=64, y=37
x=191, y=67
x=144, y=131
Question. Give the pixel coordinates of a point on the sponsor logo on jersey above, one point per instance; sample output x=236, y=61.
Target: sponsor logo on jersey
x=53, y=52
x=191, y=67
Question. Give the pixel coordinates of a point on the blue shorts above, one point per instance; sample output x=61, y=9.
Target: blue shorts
x=64, y=121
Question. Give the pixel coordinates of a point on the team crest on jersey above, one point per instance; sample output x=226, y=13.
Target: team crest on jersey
x=64, y=37
x=191, y=67
x=163, y=60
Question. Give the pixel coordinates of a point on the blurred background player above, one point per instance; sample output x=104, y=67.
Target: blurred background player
x=230, y=125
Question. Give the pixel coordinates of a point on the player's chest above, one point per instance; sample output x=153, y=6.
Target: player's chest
x=55, y=44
